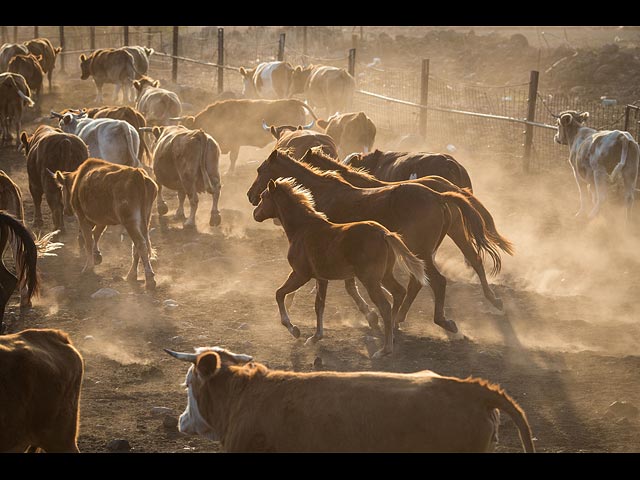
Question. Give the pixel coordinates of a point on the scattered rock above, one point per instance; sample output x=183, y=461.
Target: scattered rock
x=170, y=422
x=622, y=410
x=105, y=293
x=158, y=411
x=89, y=337
x=119, y=445
x=243, y=326
x=624, y=421
x=169, y=303
x=177, y=339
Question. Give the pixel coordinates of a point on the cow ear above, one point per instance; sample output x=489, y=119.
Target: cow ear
x=243, y=72
x=59, y=178
x=83, y=58
x=274, y=132
x=271, y=186
x=298, y=69
x=156, y=84
x=584, y=116
x=24, y=138
x=208, y=363
x=322, y=123
x=565, y=119
x=136, y=84
x=157, y=131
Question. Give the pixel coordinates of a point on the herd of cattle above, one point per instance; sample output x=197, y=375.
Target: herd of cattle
x=348, y=211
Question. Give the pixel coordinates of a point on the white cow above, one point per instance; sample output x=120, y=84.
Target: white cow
x=115, y=141
x=269, y=80
x=598, y=158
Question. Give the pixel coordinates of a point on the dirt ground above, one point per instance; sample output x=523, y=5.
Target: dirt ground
x=565, y=346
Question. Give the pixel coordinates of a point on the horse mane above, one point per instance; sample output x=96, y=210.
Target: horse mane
x=340, y=167
x=300, y=195
x=322, y=173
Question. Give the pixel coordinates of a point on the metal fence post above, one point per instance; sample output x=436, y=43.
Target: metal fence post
x=354, y=40
x=531, y=116
x=352, y=62
x=4, y=36
x=220, y=60
x=36, y=31
x=174, y=67
x=304, y=45
x=92, y=38
x=424, y=96
x=281, y=47
x=125, y=31
x=62, y=46
x=627, y=111
x=15, y=34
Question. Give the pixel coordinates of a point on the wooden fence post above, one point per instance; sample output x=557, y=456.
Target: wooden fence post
x=36, y=31
x=174, y=67
x=220, y=60
x=125, y=31
x=92, y=38
x=281, y=47
x=424, y=96
x=354, y=40
x=304, y=46
x=352, y=62
x=62, y=46
x=531, y=115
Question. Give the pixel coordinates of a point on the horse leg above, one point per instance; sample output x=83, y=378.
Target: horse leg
x=321, y=296
x=600, y=178
x=179, y=215
x=456, y=233
x=413, y=288
x=438, y=284
x=352, y=289
x=398, y=292
x=291, y=284
x=374, y=289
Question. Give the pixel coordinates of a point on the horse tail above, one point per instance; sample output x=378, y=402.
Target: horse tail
x=407, y=260
x=474, y=228
x=490, y=226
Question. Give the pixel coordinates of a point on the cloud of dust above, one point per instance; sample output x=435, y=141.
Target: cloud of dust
x=111, y=350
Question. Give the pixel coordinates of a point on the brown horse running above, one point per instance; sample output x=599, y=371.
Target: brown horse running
x=26, y=254
x=419, y=214
x=360, y=178
x=326, y=251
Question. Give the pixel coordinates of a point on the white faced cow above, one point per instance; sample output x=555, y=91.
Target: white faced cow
x=115, y=141
x=270, y=80
x=598, y=158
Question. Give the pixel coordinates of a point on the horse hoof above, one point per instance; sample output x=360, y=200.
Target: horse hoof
x=372, y=318
x=448, y=325
x=163, y=209
x=295, y=331
x=312, y=340
x=380, y=353
x=97, y=258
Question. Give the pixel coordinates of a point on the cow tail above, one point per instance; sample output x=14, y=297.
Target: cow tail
x=495, y=397
x=617, y=171
x=25, y=253
x=306, y=107
x=133, y=155
x=474, y=228
x=143, y=151
x=406, y=259
x=149, y=190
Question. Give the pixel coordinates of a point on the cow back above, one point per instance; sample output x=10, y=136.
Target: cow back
x=44, y=47
x=8, y=51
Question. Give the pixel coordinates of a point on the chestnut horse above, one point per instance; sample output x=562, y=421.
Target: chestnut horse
x=326, y=251
x=419, y=214
x=360, y=178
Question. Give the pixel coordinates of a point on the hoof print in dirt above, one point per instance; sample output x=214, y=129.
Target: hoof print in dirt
x=119, y=445
x=169, y=422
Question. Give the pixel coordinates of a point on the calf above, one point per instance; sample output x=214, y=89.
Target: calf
x=101, y=193
x=41, y=376
x=270, y=80
x=109, y=65
x=597, y=158
x=156, y=104
x=297, y=140
x=14, y=96
x=47, y=150
x=29, y=67
x=44, y=48
x=113, y=140
x=187, y=161
x=398, y=166
x=329, y=88
x=251, y=408
x=353, y=132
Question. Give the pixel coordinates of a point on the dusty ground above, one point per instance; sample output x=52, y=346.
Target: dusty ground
x=565, y=347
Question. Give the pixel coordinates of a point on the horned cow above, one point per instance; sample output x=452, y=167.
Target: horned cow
x=29, y=67
x=353, y=132
x=297, y=140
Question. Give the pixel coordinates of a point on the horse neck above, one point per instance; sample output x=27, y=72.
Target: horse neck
x=294, y=216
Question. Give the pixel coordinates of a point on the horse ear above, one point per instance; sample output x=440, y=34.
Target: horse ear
x=271, y=186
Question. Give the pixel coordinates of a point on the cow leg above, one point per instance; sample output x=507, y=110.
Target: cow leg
x=600, y=178
x=179, y=215
x=291, y=284
x=144, y=253
x=214, y=218
x=321, y=296
x=374, y=289
x=116, y=91
x=98, y=91
x=87, y=234
x=580, y=193
x=233, y=157
x=97, y=234
x=160, y=203
x=36, y=194
x=629, y=180
x=363, y=306
x=132, y=274
x=193, y=208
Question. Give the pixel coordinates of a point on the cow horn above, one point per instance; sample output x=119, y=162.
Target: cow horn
x=555, y=116
x=309, y=126
x=177, y=119
x=348, y=158
x=53, y=175
x=265, y=127
x=56, y=115
x=146, y=129
x=185, y=357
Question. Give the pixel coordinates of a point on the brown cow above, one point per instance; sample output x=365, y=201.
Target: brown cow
x=101, y=193
x=187, y=161
x=270, y=80
x=398, y=166
x=251, y=408
x=326, y=87
x=47, y=150
x=155, y=103
x=110, y=65
x=29, y=67
x=44, y=47
x=140, y=58
x=353, y=132
x=297, y=140
x=14, y=96
x=41, y=376
x=237, y=122
x=8, y=51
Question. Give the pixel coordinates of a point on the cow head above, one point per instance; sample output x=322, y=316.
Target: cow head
x=64, y=180
x=299, y=79
x=266, y=207
x=68, y=121
x=85, y=66
x=568, y=124
x=188, y=121
x=270, y=169
x=248, y=87
x=210, y=368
